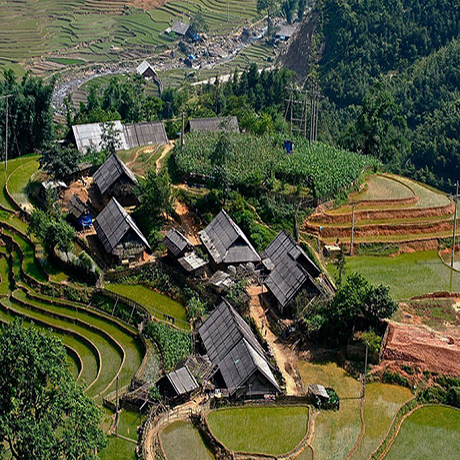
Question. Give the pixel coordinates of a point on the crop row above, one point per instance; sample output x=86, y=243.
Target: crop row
x=251, y=160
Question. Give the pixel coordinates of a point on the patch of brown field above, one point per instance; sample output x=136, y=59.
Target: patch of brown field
x=423, y=348
x=148, y=5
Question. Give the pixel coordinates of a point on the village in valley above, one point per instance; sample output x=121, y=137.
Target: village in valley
x=215, y=247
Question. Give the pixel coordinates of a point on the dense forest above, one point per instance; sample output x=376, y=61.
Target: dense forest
x=389, y=74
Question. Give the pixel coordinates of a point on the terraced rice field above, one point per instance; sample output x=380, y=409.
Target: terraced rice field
x=157, y=304
x=429, y=432
x=381, y=404
x=407, y=275
x=99, y=347
x=335, y=432
x=272, y=430
x=88, y=30
x=182, y=441
x=390, y=209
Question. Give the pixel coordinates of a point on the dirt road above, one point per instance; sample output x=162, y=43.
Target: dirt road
x=282, y=353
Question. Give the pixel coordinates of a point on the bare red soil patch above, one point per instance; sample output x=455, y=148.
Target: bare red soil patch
x=423, y=348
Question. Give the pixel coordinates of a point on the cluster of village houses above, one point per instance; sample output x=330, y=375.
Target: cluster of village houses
x=233, y=359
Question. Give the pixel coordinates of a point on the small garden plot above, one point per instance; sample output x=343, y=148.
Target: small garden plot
x=429, y=432
x=331, y=375
x=380, y=406
x=272, y=430
x=407, y=275
x=129, y=421
x=182, y=441
x=157, y=304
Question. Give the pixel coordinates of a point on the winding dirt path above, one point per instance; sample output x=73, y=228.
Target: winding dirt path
x=187, y=222
x=282, y=353
x=166, y=150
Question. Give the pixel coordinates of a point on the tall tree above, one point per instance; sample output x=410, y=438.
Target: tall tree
x=44, y=414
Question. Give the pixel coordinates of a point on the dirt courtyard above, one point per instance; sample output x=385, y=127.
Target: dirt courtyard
x=423, y=348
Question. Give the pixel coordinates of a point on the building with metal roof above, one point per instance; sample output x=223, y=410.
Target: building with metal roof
x=148, y=133
x=120, y=235
x=89, y=136
x=180, y=28
x=179, y=382
x=193, y=264
x=211, y=125
x=115, y=179
x=291, y=271
x=239, y=358
x=146, y=70
x=285, y=32
x=126, y=136
x=226, y=243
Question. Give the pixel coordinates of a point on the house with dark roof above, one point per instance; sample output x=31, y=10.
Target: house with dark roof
x=182, y=250
x=115, y=179
x=120, y=235
x=226, y=243
x=291, y=271
x=79, y=213
x=241, y=365
x=177, y=384
x=212, y=125
x=177, y=243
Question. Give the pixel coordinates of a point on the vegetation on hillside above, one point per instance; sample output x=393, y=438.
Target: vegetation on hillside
x=388, y=71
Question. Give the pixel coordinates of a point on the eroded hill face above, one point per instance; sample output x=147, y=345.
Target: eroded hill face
x=300, y=53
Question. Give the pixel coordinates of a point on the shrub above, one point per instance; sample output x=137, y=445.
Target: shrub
x=174, y=345
x=395, y=378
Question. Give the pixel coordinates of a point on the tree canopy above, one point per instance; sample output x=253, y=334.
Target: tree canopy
x=44, y=414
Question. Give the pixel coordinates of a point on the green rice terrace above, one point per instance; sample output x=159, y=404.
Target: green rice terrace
x=55, y=36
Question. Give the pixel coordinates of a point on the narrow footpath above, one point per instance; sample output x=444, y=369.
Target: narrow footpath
x=283, y=355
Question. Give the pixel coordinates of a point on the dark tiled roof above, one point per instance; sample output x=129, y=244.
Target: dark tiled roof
x=293, y=268
x=232, y=346
x=180, y=28
x=112, y=169
x=76, y=207
x=139, y=134
x=176, y=242
x=182, y=380
x=226, y=242
x=206, y=125
x=113, y=223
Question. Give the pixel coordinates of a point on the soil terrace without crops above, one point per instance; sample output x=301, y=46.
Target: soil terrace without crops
x=388, y=208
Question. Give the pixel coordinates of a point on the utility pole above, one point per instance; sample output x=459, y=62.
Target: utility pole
x=228, y=11
x=365, y=369
x=182, y=139
x=6, y=131
x=455, y=226
x=352, y=228
x=116, y=414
